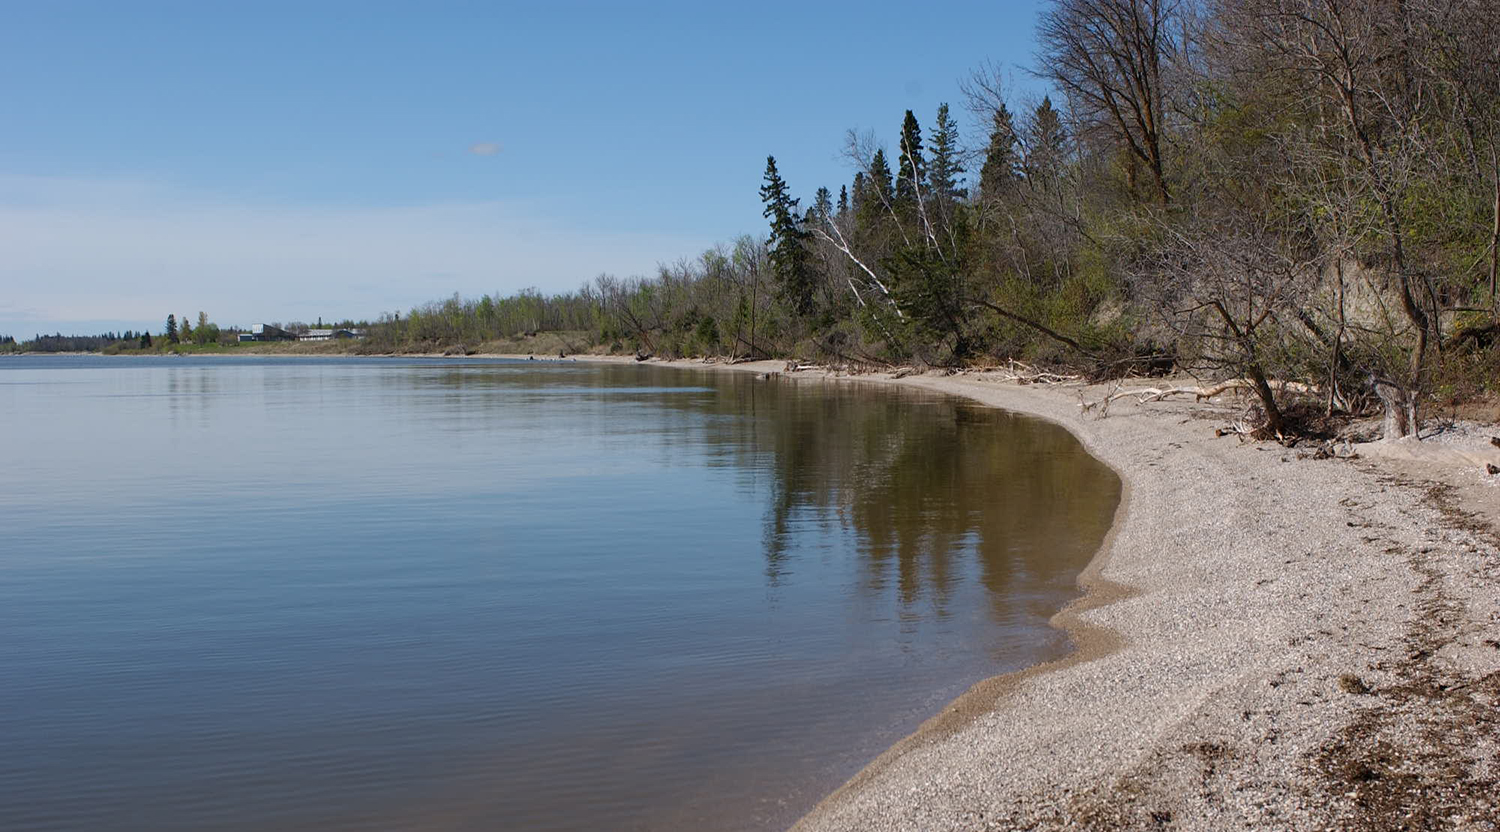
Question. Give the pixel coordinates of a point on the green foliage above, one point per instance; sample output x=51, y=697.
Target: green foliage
x=946, y=169
x=1002, y=161
x=789, y=255
x=911, y=173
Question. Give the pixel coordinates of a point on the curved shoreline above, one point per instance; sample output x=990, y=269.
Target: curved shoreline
x=1236, y=646
x=1266, y=640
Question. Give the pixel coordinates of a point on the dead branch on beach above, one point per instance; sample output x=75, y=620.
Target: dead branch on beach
x=1022, y=373
x=1145, y=395
x=795, y=366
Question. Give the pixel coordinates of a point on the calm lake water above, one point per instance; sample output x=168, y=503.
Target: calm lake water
x=327, y=594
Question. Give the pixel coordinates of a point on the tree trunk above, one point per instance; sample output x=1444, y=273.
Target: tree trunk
x=1400, y=409
x=1495, y=245
x=1274, y=421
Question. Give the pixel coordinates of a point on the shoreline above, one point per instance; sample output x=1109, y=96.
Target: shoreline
x=1265, y=639
x=1262, y=641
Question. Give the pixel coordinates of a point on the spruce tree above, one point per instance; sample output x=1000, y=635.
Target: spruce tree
x=911, y=176
x=1001, y=162
x=945, y=169
x=844, y=198
x=171, y=329
x=822, y=207
x=873, y=193
x=857, y=196
x=788, y=243
x=1046, y=142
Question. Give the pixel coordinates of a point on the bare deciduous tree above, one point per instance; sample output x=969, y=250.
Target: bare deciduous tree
x=1110, y=57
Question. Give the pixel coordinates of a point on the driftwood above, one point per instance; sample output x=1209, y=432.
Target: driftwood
x=1156, y=394
x=1239, y=428
x=1021, y=373
x=795, y=366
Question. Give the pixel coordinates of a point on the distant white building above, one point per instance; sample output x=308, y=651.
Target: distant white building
x=329, y=334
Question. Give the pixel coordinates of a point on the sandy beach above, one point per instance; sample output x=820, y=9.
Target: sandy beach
x=1267, y=641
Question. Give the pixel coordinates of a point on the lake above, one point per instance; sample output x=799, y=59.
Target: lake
x=258, y=593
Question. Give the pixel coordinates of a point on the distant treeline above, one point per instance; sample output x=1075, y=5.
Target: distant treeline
x=204, y=334
x=1274, y=191
x=67, y=343
x=1301, y=195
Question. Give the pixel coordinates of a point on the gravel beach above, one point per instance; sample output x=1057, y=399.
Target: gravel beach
x=1268, y=641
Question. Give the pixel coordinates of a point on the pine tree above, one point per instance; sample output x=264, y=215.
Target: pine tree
x=912, y=174
x=945, y=169
x=788, y=243
x=171, y=329
x=1001, y=162
x=844, y=198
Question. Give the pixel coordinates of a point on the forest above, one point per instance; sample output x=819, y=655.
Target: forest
x=1303, y=195
x=1299, y=193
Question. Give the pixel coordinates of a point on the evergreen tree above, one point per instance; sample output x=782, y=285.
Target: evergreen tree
x=822, y=207
x=145, y=340
x=930, y=282
x=913, y=171
x=788, y=243
x=844, y=198
x=186, y=333
x=1001, y=161
x=171, y=329
x=945, y=169
x=1046, y=147
x=875, y=193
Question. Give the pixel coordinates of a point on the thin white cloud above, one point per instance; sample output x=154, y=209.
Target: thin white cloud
x=484, y=148
x=76, y=250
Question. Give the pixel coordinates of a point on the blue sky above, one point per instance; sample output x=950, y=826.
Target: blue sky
x=280, y=161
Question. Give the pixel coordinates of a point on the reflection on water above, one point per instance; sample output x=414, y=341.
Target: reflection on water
x=340, y=594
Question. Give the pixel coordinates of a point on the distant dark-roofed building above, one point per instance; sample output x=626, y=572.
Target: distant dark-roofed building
x=266, y=332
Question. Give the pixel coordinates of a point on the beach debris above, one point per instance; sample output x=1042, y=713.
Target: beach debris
x=1495, y=440
x=1244, y=430
x=1022, y=373
x=1349, y=683
x=1491, y=468
x=795, y=366
x=642, y=356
